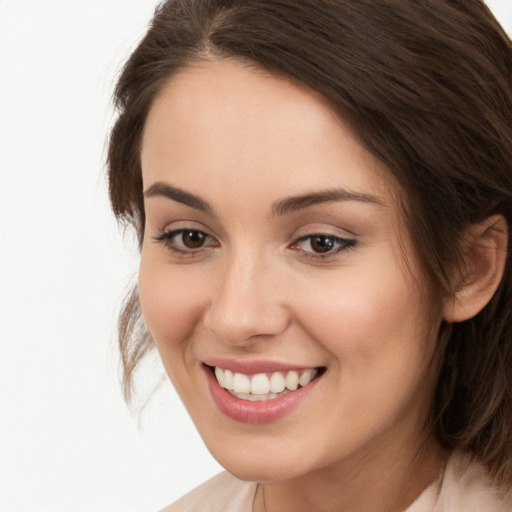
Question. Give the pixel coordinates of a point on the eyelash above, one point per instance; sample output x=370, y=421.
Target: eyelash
x=340, y=244
x=167, y=238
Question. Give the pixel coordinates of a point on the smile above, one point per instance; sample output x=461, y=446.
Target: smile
x=258, y=392
x=263, y=386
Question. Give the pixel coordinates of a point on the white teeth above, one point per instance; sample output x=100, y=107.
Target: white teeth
x=228, y=379
x=291, y=381
x=307, y=376
x=277, y=382
x=220, y=376
x=260, y=386
x=258, y=398
x=241, y=383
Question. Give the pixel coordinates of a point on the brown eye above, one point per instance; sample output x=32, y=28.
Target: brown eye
x=322, y=243
x=186, y=241
x=193, y=239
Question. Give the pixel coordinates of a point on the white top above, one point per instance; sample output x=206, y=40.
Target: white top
x=464, y=487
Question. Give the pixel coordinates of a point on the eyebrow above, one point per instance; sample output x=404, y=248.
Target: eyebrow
x=160, y=189
x=292, y=204
x=282, y=207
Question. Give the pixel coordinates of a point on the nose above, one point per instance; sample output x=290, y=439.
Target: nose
x=247, y=302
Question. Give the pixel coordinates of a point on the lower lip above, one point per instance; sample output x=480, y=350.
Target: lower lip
x=264, y=411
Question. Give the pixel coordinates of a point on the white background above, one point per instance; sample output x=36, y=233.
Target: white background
x=67, y=440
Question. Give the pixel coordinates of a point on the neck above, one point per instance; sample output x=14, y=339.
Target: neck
x=380, y=481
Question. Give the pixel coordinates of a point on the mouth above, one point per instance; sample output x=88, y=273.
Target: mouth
x=261, y=387
x=257, y=392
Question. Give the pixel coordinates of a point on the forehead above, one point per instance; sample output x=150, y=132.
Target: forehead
x=225, y=125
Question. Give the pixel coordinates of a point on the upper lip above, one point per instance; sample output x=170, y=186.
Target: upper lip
x=253, y=366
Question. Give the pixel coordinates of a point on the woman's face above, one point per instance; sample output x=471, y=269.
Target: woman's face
x=274, y=250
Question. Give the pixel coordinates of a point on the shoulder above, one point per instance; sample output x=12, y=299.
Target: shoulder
x=464, y=487
x=467, y=486
x=222, y=493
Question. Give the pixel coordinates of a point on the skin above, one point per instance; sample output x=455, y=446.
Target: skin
x=243, y=140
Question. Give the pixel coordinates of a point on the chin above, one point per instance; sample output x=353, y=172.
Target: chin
x=251, y=471
x=253, y=464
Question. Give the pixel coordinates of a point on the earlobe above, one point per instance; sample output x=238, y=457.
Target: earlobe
x=484, y=256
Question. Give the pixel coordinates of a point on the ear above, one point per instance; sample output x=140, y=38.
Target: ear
x=484, y=253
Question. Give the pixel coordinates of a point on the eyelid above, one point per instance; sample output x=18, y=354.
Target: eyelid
x=340, y=241
x=328, y=227
x=343, y=241
x=186, y=225
x=168, y=235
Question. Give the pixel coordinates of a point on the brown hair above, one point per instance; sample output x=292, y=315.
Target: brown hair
x=427, y=88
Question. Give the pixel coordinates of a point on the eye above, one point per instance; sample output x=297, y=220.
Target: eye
x=186, y=241
x=191, y=239
x=320, y=245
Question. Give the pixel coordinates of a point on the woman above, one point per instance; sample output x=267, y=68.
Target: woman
x=322, y=192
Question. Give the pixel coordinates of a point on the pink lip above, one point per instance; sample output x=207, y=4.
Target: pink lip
x=252, y=367
x=246, y=411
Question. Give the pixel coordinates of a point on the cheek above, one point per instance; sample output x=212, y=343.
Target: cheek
x=368, y=319
x=380, y=350
x=171, y=304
